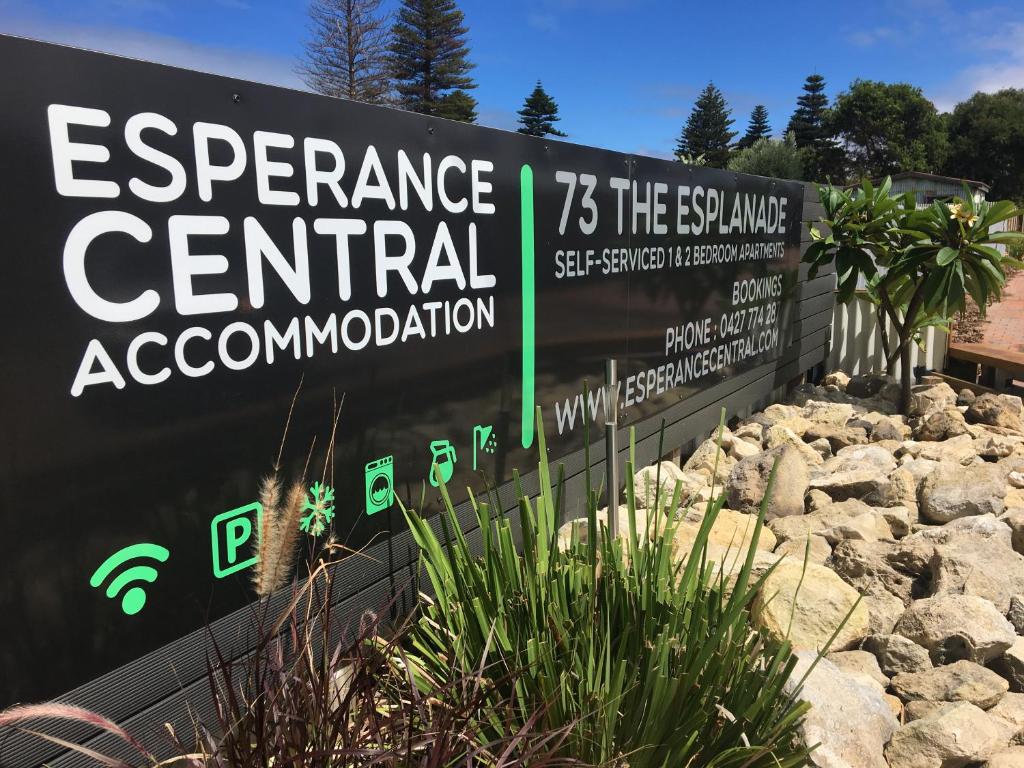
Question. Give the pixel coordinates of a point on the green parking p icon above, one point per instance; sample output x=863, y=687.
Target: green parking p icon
x=231, y=537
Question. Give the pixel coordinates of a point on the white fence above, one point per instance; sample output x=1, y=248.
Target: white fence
x=857, y=344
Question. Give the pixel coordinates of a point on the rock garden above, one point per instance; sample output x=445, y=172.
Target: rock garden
x=909, y=528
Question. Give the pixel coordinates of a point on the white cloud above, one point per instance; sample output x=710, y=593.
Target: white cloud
x=984, y=78
x=1004, y=48
x=163, y=49
x=868, y=37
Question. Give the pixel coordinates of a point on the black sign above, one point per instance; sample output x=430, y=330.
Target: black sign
x=191, y=263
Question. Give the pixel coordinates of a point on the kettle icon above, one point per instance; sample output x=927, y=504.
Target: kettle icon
x=444, y=457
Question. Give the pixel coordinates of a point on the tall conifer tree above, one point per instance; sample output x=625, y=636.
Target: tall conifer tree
x=808, y=121
x=823, y=158
x=757, y=129
x=707, y=129
x=430, y=60
x=539, y=114
x=347, y=53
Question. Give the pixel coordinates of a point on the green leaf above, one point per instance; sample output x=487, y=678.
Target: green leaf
x=946, y=255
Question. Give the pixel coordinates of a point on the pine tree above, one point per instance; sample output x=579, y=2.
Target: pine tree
x=757, y=129
x=823, y=157
x=347, y=54
x=706, y=132
x=457, y=105
x=539, y=114
x=430, y=60
x=808, y=121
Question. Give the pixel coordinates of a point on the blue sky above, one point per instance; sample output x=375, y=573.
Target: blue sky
x=625, y=73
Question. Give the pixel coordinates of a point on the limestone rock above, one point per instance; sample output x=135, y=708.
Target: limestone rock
x=857, y=457
x=1015, y=614
x=751, y=432
x=899, y=519
x=818, y=550
x=877, y=567
x=926, y=398
x=960, y=681
x=580, y=527
x=849, y=721
x=965, y=397
x=1011, y=757
x=904, y=489
x=950, y=737
x=778, y=435
x=864, y=484
x=960, y=491
x=836, y=437
x=895, y=705
x=918, y=469
x=884, y=610
x=862, y=667
x=868, y=526
x=731, y=529
x=994, y=447
x=977, y=560
x=1011, y=665
x=896, y=654
x=957, y=450
x=1015, y=520
x=1008, y=714
x=788, y=417
x=915, y=710
x=740, y=449
x=954, y=627
x=832, y=513
x=832, y=414
x=664, y=476
x=837, y=379
x=940, y=425
x=777, y=412
x=890, y=428
x=822, y=447
x=997, y=411
x=866, y=385
x=811, y=615
x=747, y=483
x=815, y=500
x=710, y=460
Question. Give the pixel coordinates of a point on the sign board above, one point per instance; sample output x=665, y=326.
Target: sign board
x=191, y=263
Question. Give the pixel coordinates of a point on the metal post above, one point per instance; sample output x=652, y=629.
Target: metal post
x=611, y=444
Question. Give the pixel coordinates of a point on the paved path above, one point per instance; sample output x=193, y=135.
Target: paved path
x=1004, y=326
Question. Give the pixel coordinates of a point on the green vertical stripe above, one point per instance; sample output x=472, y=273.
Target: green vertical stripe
x=529, y=330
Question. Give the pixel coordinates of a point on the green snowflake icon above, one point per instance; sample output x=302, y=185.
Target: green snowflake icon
x=320, y=507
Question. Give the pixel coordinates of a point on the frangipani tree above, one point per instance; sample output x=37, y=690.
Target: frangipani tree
x=916, y=266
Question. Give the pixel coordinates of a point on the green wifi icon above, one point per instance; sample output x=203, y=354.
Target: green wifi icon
x=135, y=598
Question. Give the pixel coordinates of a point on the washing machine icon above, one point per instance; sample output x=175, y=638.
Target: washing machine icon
x=380, y=484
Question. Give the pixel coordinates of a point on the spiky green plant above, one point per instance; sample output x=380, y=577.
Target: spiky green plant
x=651, y=658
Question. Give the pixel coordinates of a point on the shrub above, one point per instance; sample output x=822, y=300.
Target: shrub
x=648, y=660
x=916, y=265
x=771, y=157
x=305, y=697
